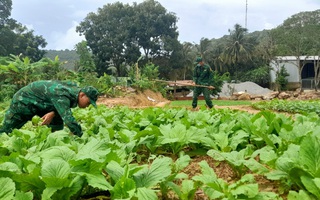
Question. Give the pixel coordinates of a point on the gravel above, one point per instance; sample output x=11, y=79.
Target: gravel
x=249, y=87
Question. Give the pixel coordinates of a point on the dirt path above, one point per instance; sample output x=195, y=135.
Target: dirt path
x=149, y=98
x=245, y=108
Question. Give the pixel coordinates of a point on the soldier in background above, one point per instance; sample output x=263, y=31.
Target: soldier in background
x=202, y=75
x=52, y=101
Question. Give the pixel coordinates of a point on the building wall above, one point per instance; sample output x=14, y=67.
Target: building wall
x=290, y=66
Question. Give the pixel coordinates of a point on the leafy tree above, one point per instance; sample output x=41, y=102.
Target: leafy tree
x=153, y=27
x=118, y=31
x=107, y=35
x=5, y=11
x=86, y=63
x=15, y=38
x=204, y=48
x=188, y=60
x=20, y=71
x=293, y=36
x=239, y=48
x=281, y=79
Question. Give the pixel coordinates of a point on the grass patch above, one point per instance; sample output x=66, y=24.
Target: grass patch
x=215, y=102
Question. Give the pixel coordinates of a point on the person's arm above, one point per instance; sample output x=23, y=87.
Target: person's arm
x=62, y=106
x=47, y=118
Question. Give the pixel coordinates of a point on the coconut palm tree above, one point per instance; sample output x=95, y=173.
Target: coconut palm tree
x=239, y=48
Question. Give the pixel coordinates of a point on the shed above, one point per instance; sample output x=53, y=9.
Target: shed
x=291, y=64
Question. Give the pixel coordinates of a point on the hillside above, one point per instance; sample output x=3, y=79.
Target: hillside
x=70, y=57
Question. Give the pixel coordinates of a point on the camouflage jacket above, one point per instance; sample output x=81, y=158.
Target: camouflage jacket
x=203, y=75
x=41, y=97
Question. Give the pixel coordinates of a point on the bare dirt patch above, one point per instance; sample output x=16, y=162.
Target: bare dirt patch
x=246, y=108
x=150, y=98
x=143, y=99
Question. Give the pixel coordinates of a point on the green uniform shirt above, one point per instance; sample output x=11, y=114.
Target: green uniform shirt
x=41, y=97
x=203, y=75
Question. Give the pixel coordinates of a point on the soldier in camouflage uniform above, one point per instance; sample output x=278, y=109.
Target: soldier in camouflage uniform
x=52, y=101
x=202, y=75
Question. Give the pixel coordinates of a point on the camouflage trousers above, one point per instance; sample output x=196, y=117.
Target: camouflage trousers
x=206, y=93
x=19, y=114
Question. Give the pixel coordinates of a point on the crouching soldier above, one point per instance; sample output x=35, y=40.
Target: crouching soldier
x=52, y=101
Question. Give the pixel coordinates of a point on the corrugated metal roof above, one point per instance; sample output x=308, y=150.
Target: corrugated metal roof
x=295, y=58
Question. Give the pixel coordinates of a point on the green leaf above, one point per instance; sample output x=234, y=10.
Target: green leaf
x=55, y=173
x=293, y=195
x=7, y=188
x=182, y=162
x=310, y=155
x=159, y=170
x=276, y=175
x=146, y=194
x=188, y=189
x=312, y=185
x=249, y=190
x=10, y=167
x=95, y=149
x=98, y=181
x=58, y=152
x=23, y=196
x=115, y=170
x=123, y=189
x=255, y=166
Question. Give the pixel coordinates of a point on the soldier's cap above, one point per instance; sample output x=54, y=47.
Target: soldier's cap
x=92, y=93
x=198, y=59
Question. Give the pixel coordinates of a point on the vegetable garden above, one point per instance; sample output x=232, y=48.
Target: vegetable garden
x=149, y=153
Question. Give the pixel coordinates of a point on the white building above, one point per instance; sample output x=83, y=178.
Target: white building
x=291, y=64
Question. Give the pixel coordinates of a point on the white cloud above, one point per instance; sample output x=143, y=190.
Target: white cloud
x=66, y=40
x=56, y=20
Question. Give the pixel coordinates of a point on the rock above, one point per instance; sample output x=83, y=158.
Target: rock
x=284, y=95
x=244, y=96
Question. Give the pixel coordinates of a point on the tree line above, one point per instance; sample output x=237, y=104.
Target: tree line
x=122, y=39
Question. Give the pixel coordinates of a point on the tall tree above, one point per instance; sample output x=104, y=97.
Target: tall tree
x=118, y=32
x=296, y=37
x=239, y=47
x=86, y=63
x=15, y=38
x=204, y=48
x=153, y=27
x=188, y=60
x=107, y=33
x=5, y=10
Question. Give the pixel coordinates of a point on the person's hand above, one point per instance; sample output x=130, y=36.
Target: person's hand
x=47, y=118
x=211, y=87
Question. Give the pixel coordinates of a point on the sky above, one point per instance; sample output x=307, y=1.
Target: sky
x=56, y=20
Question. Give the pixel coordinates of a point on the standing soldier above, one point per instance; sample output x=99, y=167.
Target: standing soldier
x=52, y=101
x=202, y=75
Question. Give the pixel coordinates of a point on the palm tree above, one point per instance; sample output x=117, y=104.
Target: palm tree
x=204, y=48
x=239, y=48
x=188, y=55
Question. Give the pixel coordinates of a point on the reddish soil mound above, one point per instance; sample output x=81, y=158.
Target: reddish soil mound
x=146, y=98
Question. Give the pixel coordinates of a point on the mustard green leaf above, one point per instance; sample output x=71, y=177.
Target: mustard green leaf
x=95, y=149
x=23, y=195
x=146, y=194
x=7, y=188
x=150, y=176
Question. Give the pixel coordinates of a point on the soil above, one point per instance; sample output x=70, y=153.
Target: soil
x=143, y=99
x=149, y=98
x=223, y=170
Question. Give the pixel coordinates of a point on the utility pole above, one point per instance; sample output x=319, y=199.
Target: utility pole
x=246, y=13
